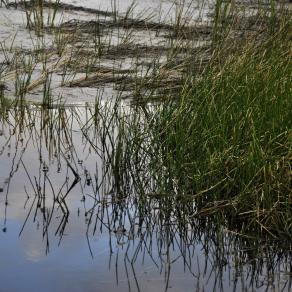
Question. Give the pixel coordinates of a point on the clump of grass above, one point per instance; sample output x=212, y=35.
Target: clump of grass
x=227, y=141
x=3, y=2
x=35, y=13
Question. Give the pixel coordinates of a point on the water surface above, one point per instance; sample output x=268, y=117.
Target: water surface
x=98, y=238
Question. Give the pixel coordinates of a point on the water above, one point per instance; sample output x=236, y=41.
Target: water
x=97, y=238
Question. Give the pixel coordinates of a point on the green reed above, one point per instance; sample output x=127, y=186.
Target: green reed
x=226, y=141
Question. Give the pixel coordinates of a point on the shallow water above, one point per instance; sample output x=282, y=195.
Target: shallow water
x=98, y=238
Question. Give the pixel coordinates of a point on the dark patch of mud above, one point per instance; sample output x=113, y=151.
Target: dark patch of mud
x=170, y=31
x=125, y=82
x=59, y=6
x=169, y=82
x=124, y=51
x=99, y=69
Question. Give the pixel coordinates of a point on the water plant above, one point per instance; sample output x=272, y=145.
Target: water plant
x=226, y=141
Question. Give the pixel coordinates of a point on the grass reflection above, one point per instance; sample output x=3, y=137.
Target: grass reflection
x=83, y=153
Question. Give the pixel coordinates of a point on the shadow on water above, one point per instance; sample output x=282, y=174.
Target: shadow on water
x=72, y=204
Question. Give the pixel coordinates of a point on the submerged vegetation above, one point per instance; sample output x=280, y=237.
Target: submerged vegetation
x=195, y=141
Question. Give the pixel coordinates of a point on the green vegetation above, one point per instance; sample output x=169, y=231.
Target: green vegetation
x=222, y=139
x=225, y=142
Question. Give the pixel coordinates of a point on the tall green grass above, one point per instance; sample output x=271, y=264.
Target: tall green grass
x=226, y=142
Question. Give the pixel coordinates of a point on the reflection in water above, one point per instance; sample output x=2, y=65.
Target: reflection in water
x=74, y=219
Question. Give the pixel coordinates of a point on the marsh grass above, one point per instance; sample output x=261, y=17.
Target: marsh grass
x=221, y=141
x=36, y=17
x=226, y=141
